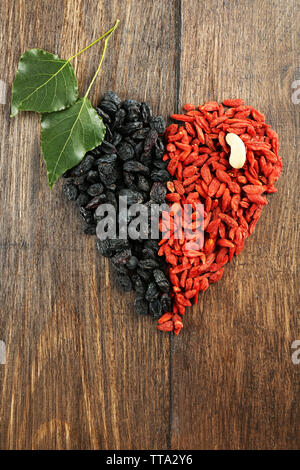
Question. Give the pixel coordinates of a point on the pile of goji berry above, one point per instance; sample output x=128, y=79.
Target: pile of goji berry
x=233, y=198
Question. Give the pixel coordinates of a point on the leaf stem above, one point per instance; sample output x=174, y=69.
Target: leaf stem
x=109, y=33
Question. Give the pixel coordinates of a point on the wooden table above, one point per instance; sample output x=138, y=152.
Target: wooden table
x=82, y=370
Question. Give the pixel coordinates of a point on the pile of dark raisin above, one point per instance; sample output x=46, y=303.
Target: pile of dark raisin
x=129, y=163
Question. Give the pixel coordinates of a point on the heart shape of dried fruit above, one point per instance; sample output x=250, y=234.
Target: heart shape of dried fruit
x=199, y=161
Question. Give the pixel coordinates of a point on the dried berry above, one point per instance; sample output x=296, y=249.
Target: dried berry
x=150, y=140
x=133, y=197
x=104, y=116
x=82, y=200
x=107, y=169
x=148, y=264
x=125, y=151
x=146, y=113
x=132, y=263
x=107, y=147
x=92, y=176
x=124, y=283
x=161, y=280
x=155, y=308
x=113, y=97
x=95, y=202
x=86, y=215
x=158, y=193
x=143, y=183
x=160, y=175
x=140, y=305
x=108, y=107
x=95, y=189
x=136, y=167
x=158, y=123
x=152, y=292
x=84, y=166
x=90, y=229
x=127, y=163
x=71, y=192
x=131, y=127
x=166, y=303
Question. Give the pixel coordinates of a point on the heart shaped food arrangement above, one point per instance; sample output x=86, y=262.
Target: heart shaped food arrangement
x=170, y=206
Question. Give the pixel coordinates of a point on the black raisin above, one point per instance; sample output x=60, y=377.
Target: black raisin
x=71, y=192
x=143, y=183
x=84, y=166
x=103, y=115
x=112, y=96
x=138, y=150
x=158, y=193
x=160, y=164
x=95, y=202
x=108, y=107
x=82, y=200
x=128, y=103
x=107, y=147
x=155, y=308
x=166, y=303
x=152, y=292
x=131, y=127
x=149, y=253
x=111, y=199
x=129, y=180
x=135, y=167
x=133, y=197
x=160, y=175
x=117, y=138
x=124, y=283
x=144, y=274
x=86, y=215
x=138, y=285
x=146, y=113
x=107, y=168
x=119, y=244
x=141, y=134
x=158, y=123
x=119, y=118
x=150, y=140
x=132, y=263
x=148, y=264
x=95, y=189
x=90, y=229
x=125, y=151
x=161, y=280
x=146, y=159
x=133, y=113
x=105, y=248
x=121, y=257
x=140, y=305
x=92, y=176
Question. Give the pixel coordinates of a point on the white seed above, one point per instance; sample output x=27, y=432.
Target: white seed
x=237, y=150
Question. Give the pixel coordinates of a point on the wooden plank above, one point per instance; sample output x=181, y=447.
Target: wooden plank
x=82, y=370
x=234, y=385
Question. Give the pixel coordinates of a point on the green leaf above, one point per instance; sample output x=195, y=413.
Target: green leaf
x=44, y=83
x=68, y=135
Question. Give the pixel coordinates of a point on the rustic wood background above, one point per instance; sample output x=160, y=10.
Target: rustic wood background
x=82, y=371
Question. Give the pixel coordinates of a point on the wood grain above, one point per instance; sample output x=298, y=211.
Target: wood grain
x=82, y=371
x=234, y=355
